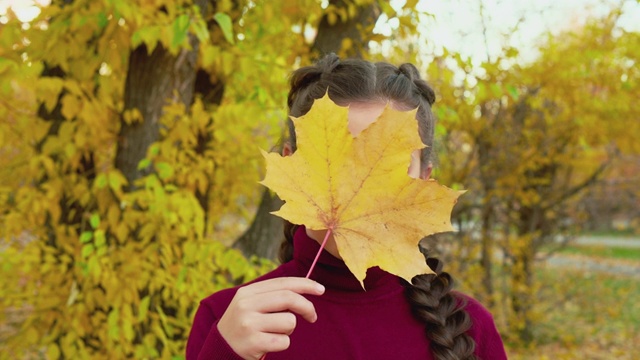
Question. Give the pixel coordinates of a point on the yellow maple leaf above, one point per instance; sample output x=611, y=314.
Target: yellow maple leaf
x=358, y=187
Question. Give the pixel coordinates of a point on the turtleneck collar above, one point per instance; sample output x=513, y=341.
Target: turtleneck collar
x=334, y=274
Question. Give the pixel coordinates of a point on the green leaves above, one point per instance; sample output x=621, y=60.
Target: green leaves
x=180, y=30
x=87, y=250
x=94, y=220
x=144, y=163
x=103, y=20
x=165, y=170
x=86, y=236
x=224, y=21
x=199, y=28
x=143, y=308
x=149, y=35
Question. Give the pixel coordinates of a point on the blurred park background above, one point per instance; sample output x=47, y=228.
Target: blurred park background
x=129, y=160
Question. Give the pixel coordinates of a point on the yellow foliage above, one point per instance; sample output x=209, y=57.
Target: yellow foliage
x=528, y=139
x=100, y=268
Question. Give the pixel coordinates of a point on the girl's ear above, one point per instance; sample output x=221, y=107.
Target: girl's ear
x=425, y=173
x=286, y=149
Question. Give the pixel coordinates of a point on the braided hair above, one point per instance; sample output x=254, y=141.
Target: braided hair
x=354, y=80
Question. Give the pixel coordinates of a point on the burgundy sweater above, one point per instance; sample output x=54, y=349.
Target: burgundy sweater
x=352, y=323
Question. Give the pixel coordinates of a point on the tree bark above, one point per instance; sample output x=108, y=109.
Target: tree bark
x=486, y=259
x=487, y=179
x=522, y=291
x=329, y=38
x=152, y=81
x=265, y=233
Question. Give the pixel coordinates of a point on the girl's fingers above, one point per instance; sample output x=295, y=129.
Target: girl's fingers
x=296, y=284
x=281, y=301
x=272, y=343
x=262, y=315
x=278, y=323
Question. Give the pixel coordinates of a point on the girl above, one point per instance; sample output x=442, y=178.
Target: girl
x=331, y=316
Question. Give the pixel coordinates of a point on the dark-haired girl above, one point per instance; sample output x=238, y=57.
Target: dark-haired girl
x=331, y=316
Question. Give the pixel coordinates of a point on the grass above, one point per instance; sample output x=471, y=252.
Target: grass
x=583, y=315
x=626, y=233
x=601, y=251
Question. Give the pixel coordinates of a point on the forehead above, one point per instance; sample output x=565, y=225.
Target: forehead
x=361, y=115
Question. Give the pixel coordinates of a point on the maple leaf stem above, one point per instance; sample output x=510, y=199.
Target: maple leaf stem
x=324, y=242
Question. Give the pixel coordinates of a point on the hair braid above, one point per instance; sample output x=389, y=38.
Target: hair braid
x=286, y=247
x=433, y=303
x=422, y=87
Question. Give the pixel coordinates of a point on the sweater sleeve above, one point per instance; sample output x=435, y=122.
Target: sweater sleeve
x=489, y=344
x=205, y=341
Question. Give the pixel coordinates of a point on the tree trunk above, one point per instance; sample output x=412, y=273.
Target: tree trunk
x=522, y=289
x=265, y=233
x=330, y=36
x=486, y=259
x=487, y=178
x=264, y=236
x=152, y=81
x=522, y=296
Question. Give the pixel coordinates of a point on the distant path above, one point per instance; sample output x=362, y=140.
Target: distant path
x=593, y=264
x=631, y=242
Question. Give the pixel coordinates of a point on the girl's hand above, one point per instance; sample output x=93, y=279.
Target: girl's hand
x=260, y=317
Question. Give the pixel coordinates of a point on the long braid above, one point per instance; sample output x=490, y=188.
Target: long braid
x=432, y=301
x=285, y=253
x=430, y=295
x=443, y=313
